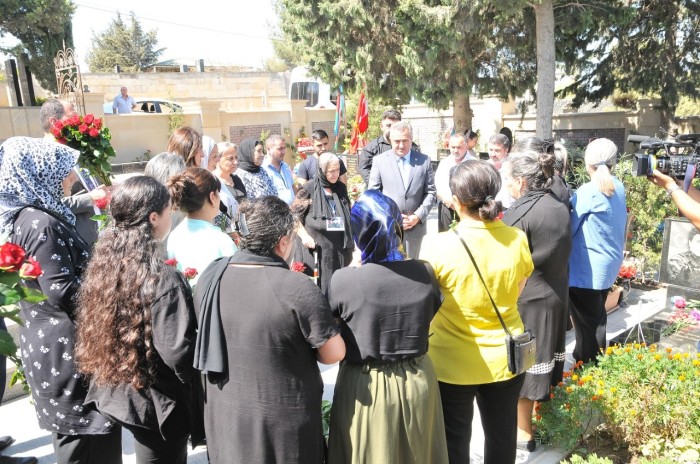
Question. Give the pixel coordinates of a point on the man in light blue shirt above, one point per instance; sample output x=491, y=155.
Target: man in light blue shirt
x=279, y=170
x=123, y=103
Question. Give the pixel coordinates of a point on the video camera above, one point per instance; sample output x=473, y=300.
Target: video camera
x=675, y=158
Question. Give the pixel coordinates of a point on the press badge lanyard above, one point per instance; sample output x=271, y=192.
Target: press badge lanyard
x=331, y=206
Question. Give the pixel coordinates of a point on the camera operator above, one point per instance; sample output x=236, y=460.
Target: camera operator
x=688, y=203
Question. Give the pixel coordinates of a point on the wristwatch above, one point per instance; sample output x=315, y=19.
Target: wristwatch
x=670, y=190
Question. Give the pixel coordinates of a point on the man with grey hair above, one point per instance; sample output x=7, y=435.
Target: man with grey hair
x=123, y=103
x=278, y=170
x=406, y=176
x=81, y=203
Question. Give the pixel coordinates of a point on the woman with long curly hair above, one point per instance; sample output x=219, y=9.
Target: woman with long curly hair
x=136, y=326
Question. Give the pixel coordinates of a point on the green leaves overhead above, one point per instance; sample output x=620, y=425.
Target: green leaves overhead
x=41, y=26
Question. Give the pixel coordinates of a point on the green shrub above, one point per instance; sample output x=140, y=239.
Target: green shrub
x=648, y=399
x=590, y=459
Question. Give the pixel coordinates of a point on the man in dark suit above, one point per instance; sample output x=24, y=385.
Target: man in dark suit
x=406, y=176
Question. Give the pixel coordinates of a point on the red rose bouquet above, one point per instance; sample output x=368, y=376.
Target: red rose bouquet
x=15, y=266
x=87, y=135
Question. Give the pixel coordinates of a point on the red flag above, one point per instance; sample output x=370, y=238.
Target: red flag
x=361, y=123
x=362, y=114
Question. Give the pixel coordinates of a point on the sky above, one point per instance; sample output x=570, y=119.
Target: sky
x=222, y=32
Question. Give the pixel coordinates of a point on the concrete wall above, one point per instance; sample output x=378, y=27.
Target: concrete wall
x=238, y=91
x=19, y=121
x=579, y=128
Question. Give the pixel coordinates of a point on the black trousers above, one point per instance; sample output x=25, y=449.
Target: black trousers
x=88, y=449
x=150, y=447
x=445, y=217
x=498, y=405
x=587, y=308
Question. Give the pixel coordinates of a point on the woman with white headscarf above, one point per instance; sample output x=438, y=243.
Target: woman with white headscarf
x=210, y=156
x=35, y=174
x=598, y=220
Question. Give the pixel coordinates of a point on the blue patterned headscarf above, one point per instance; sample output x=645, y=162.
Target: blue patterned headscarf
x=376, y=227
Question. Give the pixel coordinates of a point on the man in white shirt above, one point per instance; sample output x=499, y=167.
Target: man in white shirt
x=123, y=103
x=279, y=171
x=459, y=152
x=499, y=146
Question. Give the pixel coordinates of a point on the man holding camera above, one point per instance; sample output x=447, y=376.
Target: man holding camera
x=688, y=203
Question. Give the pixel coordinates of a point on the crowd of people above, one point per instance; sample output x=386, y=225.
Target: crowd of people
x=183, y=318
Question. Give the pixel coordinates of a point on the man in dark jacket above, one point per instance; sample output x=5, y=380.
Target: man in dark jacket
x=378, y=145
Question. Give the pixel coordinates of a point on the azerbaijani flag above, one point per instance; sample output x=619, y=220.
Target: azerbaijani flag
x=361, y=123
x=339, y=116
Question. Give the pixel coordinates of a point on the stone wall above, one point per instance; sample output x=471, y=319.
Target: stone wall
x=237, y=91
x=582, y=137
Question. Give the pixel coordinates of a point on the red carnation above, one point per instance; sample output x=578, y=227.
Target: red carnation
x=74, y=120
x=62, y=140
x=102, y=203
x=97, y=124
x=297, y=266
x=94, y=132
x=83, y=128
x=56, y=132
x=88, y=119
x=30, y=269
x=58, y=125
x=190, y=272
x=11, y=257
x=171, y=262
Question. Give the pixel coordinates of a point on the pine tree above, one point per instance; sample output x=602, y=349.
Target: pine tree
x=41, y=27
x=647, y=46
x=437, y=52
x=126, y=45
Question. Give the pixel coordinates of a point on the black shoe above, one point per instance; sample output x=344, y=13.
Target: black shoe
x=529, y=446
x=6, y=441
x=18, y=460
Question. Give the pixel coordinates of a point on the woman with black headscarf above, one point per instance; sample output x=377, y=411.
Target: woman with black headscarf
x=386, y=383
x=35, y=174
x=322, y=207
x=255, y=180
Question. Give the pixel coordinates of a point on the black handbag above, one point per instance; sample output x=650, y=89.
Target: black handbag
x=521, y=350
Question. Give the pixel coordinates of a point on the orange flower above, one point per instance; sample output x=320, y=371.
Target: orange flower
x=567, y=406
x=669, y=349
x=640, y=357
x=551, y=396
x=594, y=397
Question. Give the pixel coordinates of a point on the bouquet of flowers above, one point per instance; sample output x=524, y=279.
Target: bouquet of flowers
x=87, y=135
x=15, y=267
x=627, y=271
x=685, y=314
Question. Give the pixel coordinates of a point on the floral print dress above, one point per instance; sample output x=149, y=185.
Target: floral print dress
x=48, y=336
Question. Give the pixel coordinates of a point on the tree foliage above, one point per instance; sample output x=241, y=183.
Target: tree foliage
x=436, y=51
x=649, y=46
x=41, y=26
x=126, y=45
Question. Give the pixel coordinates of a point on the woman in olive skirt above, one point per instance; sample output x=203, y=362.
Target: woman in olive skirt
x=387, y=403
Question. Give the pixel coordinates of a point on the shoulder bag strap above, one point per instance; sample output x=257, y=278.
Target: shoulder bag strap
x=498, y=313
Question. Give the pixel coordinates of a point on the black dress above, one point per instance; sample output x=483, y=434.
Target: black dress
x=333, y=254
x=48, y=336
x=543, y=304
x=268, y=408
